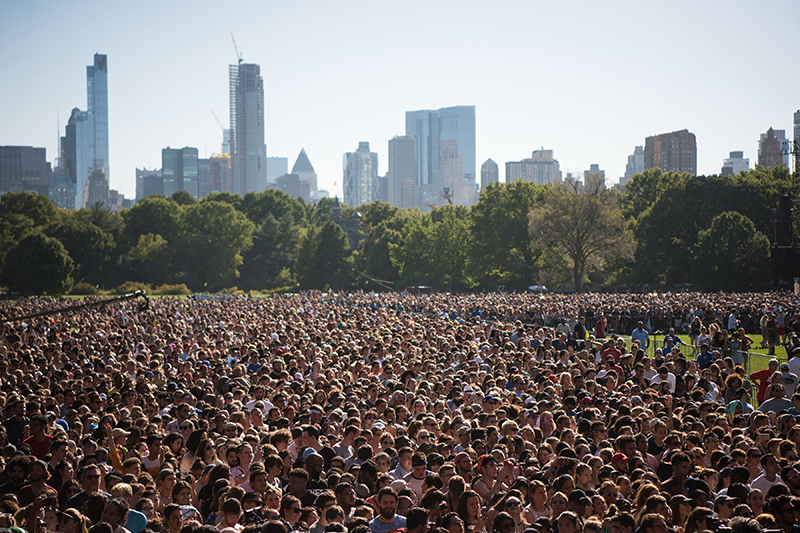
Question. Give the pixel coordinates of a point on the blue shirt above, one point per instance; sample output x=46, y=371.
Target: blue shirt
x=377, y=525
x=642, y=337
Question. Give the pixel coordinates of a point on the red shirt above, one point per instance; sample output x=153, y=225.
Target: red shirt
x=39, y=448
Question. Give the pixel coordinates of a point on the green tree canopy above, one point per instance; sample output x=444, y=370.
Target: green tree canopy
x=38, y=265
x=269, y=262
x=154, y=215
x=183, y=198
x=324, y=259
x=585, y=221
x=210, y=248
x=37, y=207
x=436, y=250
x=88, y=244
x=272, y=202
x=731, y=255
x=503, y=252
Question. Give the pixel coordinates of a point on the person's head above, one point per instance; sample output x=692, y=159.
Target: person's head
x=115, y=512
x=173, y=516
x=782, y=508
x=569, y=522
x=345, y=495
x=71, y=521
x=416, y=519
x=469, y=506
x=91, y=479
x=290, y=509
x=387, y=502
x=146, y=507
x=653, y=523
x=504, y=523
x=298, y=478
x=231, y=512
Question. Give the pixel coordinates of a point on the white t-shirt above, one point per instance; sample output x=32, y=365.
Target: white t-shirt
x=669, y=379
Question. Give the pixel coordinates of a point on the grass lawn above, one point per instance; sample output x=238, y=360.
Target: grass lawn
x=758, y=356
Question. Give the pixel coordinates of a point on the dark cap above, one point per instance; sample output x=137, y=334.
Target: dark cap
x=577, y=495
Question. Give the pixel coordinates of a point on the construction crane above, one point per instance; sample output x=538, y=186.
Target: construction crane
x=238, y=55
x=218, y=122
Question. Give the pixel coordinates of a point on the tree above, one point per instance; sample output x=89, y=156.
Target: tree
x=645, y=189
x=384, y=225
x=38, y=265
x=183, y=198
x=88, y=244
x=37, y=207
x=148, y=259
x=731, y=255
x=585, y=221
x=324, y=258
x=225, y=197
x=215, y=235
x=670, y=227
x=268, y=263
x=278, y=204
x=503, y=252
x=154, y=215
x=436, y=250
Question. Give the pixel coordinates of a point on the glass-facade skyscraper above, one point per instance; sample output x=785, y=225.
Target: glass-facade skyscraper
x=430, y=127
x=84, y=148
x=97, y=107
x=247, y=149
x=179, y=168
x=360, y=176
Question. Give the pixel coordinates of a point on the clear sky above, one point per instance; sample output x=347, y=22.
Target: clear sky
x=588, y=79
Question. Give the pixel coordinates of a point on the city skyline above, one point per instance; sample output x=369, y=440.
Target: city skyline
x=166, y=80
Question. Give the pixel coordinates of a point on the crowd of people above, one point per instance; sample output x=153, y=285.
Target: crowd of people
x=376, y=413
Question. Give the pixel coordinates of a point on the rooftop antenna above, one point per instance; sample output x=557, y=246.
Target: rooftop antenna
x=238, y=55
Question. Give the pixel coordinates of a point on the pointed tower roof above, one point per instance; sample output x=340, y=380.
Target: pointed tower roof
x=302, y=164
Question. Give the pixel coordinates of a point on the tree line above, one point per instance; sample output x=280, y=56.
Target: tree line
x=668, y=230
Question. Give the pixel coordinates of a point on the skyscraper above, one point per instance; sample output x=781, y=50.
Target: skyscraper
x=769, y=149
x=305, y=171
x=797, y=140
x=247, y=148
x=97, y=107
x=674, y=151
x=84, y=147
x=541, y=168
x=221, y=175
x=360, y=176
x=734, y=164
x=635, y=164
x=96, y=192
x=276, y=167
x=490, y=173
x=401, y=179
x=429, y=128
x=179, y=170
x=148, y=183
x=594, y=170
x=24, y=168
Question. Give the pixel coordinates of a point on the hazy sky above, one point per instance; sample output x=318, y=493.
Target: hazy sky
x=588, y=79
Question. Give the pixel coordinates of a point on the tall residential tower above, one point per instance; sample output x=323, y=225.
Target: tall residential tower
x=360, y=176
x=247, y=149
x=84, y=148
x=675, y=151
